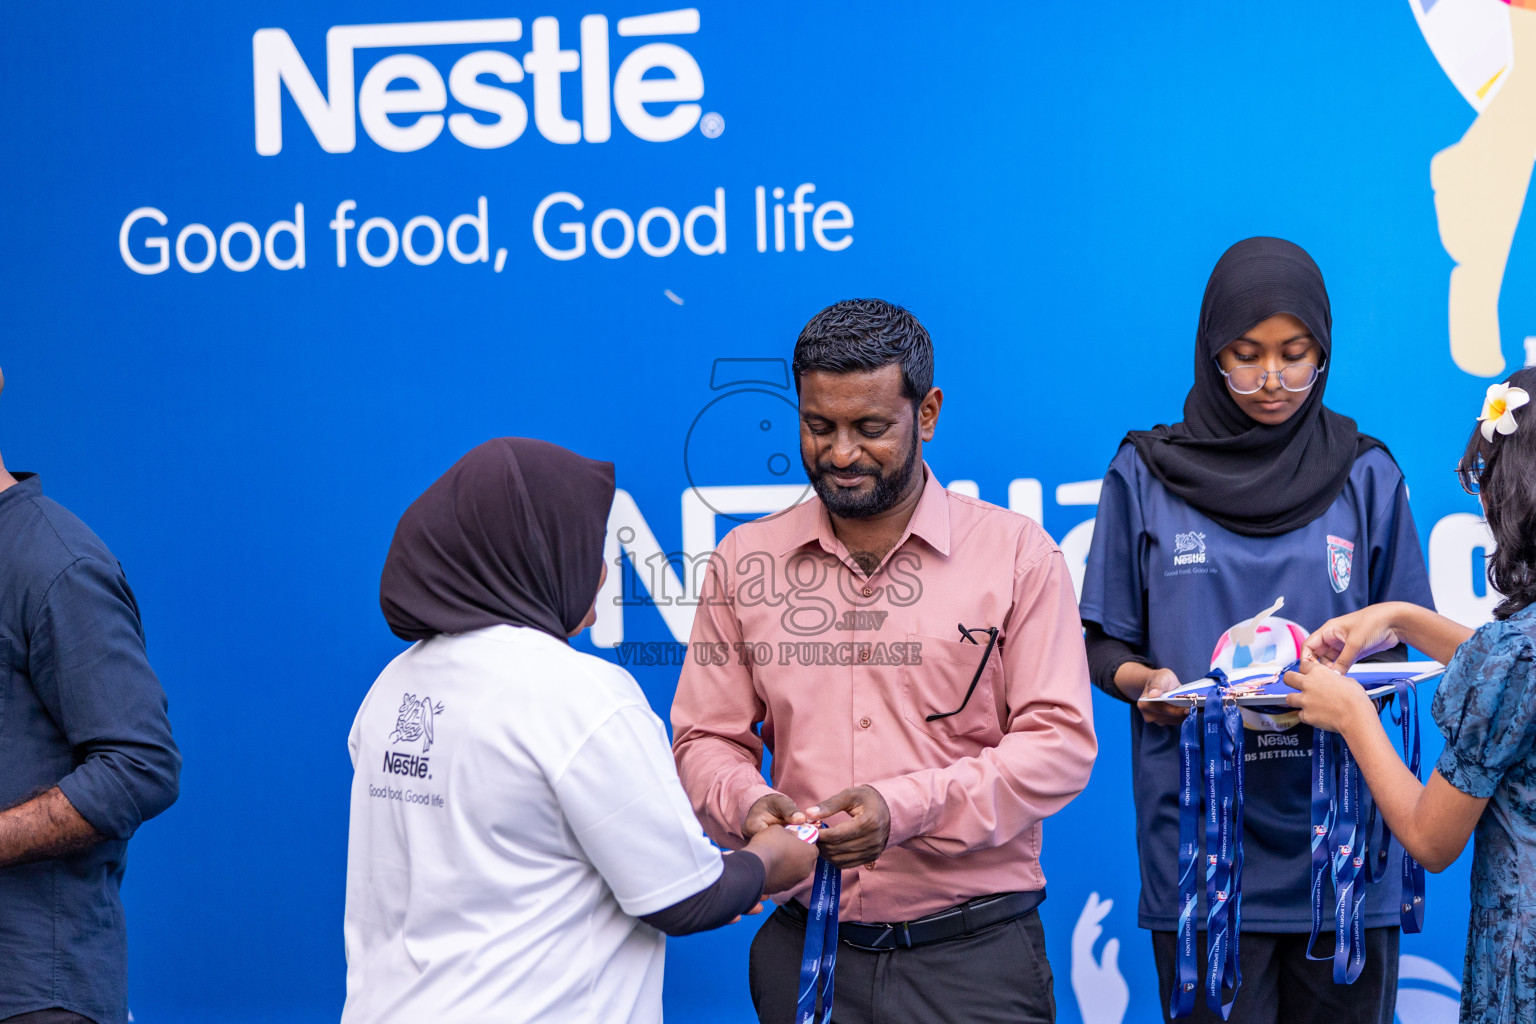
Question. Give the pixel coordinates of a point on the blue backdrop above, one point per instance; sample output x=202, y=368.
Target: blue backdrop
x=1045, y=185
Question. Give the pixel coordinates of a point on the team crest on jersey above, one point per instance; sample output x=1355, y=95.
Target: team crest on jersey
x=1341, y=559
x=415, y=721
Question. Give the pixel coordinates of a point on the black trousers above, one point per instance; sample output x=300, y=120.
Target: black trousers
x=998, y=974
x=1281, y=986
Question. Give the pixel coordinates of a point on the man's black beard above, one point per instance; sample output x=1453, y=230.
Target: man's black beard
x=848, y=504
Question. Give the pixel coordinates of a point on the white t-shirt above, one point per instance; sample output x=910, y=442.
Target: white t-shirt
x=515, y=808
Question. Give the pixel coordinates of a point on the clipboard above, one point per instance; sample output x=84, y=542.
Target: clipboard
x=1263, y=686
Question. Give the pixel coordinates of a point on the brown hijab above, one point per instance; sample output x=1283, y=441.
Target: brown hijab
x=512, y=533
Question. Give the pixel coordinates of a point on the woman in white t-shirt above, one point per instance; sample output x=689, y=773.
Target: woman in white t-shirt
x=520, y=844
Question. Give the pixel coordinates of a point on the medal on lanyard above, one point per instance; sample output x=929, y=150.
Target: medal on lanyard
x=818, y=962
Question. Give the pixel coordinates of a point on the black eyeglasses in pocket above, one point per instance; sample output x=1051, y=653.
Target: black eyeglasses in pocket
x=966, y=635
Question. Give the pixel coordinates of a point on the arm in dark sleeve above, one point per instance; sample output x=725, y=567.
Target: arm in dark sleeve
x=1105, y=656
x=735, y=892
x=1114, y=591
x=87, y=662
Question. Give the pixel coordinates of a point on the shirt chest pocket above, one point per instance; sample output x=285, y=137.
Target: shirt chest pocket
x=937, y=685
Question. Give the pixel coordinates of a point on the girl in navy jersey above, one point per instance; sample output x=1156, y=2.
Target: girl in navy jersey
x=1261, y=492
x=1486, y=707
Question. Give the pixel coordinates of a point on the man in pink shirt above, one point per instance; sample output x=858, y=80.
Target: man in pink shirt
x=915, y=662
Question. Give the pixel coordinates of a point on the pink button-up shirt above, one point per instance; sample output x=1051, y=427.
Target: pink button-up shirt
x=842, y=669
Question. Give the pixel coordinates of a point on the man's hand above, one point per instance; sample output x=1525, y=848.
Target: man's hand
x=773, y=809
x=860, y=839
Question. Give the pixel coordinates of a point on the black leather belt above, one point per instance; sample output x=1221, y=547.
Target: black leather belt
x=966, y=919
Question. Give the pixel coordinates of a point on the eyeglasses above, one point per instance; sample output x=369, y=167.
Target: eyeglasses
x=1248, y=380
x=965, y=635
x=1470, y=478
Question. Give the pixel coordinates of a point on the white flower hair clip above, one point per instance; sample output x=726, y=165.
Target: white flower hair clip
x=1499, y=409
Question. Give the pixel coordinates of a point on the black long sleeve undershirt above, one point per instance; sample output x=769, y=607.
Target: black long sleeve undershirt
x=1105, y=656
x=736, y=891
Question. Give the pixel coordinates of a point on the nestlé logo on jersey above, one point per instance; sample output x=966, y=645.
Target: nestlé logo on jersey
x=403, y=98
x=1188, y=548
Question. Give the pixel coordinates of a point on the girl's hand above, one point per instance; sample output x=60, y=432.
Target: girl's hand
x=1158, y=683
x=1339, y=643
x=1328, y=700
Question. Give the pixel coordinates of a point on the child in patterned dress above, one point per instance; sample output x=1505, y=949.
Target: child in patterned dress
x=1485, y=780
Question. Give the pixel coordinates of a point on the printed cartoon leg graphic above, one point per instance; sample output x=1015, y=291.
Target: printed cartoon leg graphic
x=1480, y=185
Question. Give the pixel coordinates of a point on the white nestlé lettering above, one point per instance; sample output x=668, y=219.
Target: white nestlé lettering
x=481, y=82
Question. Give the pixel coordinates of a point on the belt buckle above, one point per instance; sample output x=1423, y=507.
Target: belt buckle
x=876, y=946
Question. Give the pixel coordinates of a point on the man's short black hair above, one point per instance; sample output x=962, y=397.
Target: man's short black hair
x=857, y=335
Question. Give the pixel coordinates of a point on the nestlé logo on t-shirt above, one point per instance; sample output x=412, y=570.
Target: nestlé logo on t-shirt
x=414, y=723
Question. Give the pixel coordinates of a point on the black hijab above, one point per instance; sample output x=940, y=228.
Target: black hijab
x=512, y=533
x=1254, y=479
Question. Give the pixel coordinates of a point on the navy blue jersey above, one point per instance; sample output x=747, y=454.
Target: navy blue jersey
x=1166, y=579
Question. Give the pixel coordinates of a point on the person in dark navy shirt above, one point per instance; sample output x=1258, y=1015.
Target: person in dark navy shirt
x=1260, y=493
x=86, y=757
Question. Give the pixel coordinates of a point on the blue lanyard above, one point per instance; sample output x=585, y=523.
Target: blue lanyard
x=819, y=961
x=1324, y=783
x=1234, y=719
x=1223, y=845
x=1339, y=848
x=1406, y=714
x=1349, y=856
x=1222, y=757
x=1181, y=1002
x=1347, y=843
